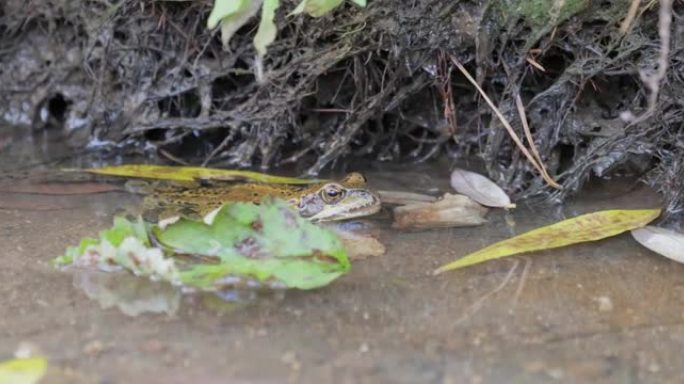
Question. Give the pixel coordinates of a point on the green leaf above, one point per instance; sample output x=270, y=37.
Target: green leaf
x=127, y=245
x=225, y=8
x=267, y=28
x=360, y=3
x=23, y=371
x=269, y=243
x=316, y=8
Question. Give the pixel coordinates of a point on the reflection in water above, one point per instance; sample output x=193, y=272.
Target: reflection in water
x=130, y=294
x=134, y=295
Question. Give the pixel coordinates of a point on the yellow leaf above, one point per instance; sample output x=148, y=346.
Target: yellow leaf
x=164, y=172
x=22, y=371
x=589, y=227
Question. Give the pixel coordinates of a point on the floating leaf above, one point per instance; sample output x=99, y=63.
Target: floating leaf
x=114, y=236
x=267, y=28
x=588, y=227
x=125, y=245
x=23, y=371
x=480, y=189
x=269, y=243
x=662, y=241
x=165, y=172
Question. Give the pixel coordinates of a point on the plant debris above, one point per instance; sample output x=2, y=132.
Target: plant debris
x=480, y=189
x=663, y=241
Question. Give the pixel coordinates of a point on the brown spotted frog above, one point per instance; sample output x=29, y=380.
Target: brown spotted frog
x=326, y=201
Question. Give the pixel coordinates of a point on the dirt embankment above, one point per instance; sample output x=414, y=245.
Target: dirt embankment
x=602, y=86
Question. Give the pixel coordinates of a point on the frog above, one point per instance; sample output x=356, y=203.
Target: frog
x=327, y=201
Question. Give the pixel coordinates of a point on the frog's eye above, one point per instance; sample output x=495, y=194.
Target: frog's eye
x=332, y=193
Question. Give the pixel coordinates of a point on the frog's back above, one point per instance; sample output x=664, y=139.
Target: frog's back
x=196, y=202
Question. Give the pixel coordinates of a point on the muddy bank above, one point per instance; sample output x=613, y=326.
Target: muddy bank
x=150, y=78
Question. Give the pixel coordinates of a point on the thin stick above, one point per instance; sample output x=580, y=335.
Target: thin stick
x=533, y=147
x=505, y=123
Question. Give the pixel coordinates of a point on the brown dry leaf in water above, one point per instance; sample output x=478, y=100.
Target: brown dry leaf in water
x=450, y=211
x=480, y=189
x=58, y=188
x=663, y=241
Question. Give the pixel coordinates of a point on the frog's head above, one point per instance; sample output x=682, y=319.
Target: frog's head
x=346, y=199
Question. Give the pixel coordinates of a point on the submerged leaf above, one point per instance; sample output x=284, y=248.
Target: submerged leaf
x=165, y=172
x=269, y=243
x=23, y=371
x=588, y=227
x=480, y=189
x=662, y=241
x=267, y=28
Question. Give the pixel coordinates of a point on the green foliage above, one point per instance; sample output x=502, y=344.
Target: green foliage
x=233, y=14
x=268, y=243
x=115, y=235
x=542, y=16
x=267, y=28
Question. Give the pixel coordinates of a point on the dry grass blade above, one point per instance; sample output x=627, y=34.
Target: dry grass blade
x=503, y=120
x=629, y=19
x=535, y=64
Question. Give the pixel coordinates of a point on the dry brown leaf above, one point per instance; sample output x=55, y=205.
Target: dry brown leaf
x=59, y=188
x=662, y=241
x=450, y=211
x=480, y=189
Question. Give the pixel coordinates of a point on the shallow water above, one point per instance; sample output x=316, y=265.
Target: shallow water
x=603, y=312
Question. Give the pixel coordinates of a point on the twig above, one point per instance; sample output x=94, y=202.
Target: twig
x=220, y=148
x=171, y=157
x=528, y=134
x=652, y=81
